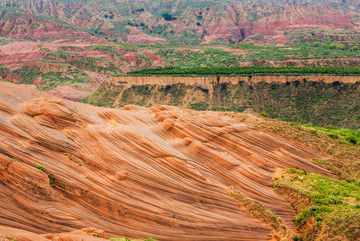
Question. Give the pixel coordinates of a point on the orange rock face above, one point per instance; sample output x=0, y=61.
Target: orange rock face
x=135, y=172
x=88, y=234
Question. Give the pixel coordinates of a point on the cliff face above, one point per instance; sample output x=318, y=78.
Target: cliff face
x=321, y=100
x=161, y=172
x=210, y=81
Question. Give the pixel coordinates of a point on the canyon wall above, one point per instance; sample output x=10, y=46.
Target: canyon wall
x=209, y=81
x=321, y=100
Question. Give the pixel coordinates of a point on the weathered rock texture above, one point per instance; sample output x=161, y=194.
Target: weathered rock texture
x=161, y=172
x=209, y=81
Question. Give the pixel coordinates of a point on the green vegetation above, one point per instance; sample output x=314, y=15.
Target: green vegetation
x=52, y=80
x=258, y=211
x=3, y=67
x=27, y=74
x=106, y=48
x=41, y=168
x=257, y=53
x=199, y=60
x=335, y=203
x=327, y=39
x=5, y=40
x=347, y=136
x=84, y=62
x=297, y=238
x=105, y=96
x=248, y=71
x=51, y=179
x=199, y=106
x=186, y=56
x=168, y=17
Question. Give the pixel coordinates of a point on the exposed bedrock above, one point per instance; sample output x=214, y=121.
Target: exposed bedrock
x=136, y=172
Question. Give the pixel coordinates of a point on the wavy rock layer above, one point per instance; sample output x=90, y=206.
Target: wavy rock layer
x=161, y=172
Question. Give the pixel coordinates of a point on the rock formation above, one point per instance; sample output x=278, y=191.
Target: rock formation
x=135, y=172
x=266, y=21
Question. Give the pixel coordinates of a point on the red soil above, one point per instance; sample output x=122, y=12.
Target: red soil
x=12, y=55
x=143, y=38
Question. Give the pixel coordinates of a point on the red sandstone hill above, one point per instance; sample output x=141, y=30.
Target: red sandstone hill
x=25, y=24
x=135, y=172
x=267, y=21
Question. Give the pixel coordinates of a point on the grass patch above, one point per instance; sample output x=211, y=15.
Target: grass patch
x=334, y=203
x=41, y=168
x=351, y=137
x=84, y=62
x=52, y=80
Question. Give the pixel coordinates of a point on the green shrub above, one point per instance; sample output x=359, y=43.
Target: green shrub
x=41, y=168
x=245, y=71
x=168, y=17
x=302, y=217
x=200, y=106
x=297, y=238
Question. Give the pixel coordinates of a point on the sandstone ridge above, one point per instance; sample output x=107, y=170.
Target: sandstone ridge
x=135, y=172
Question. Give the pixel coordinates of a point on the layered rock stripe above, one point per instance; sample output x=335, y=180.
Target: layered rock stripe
x=135, y=172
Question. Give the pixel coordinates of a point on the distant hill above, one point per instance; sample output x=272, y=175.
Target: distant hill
x=275, y=22
x=30, y=25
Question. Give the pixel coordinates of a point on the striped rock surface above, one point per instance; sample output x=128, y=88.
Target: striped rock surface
x=136, y=172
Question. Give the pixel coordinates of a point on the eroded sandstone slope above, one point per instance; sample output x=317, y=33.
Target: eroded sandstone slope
x=280, y=22
x=135, y=172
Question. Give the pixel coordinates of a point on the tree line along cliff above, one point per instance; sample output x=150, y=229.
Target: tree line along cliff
x=307, y=99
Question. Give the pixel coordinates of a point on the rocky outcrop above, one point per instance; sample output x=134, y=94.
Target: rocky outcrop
x=69, y=93
x=89, y=234
x=135, y=172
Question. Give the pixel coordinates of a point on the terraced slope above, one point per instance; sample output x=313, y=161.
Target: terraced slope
x=135, y=172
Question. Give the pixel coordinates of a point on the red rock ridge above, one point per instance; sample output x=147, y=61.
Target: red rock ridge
x=135, y=172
